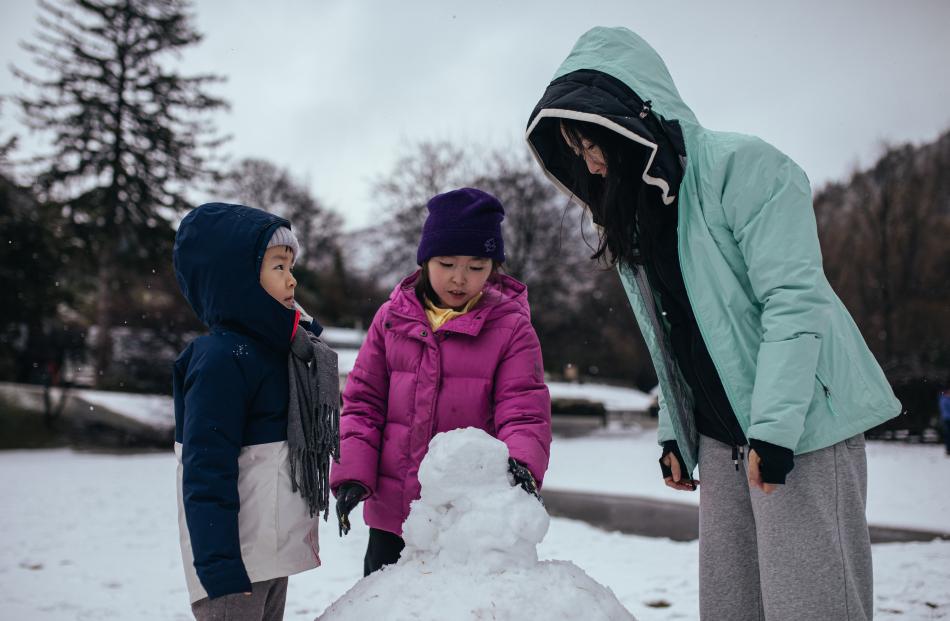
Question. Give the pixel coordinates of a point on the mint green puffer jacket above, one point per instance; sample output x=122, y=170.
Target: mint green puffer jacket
x=793, y=364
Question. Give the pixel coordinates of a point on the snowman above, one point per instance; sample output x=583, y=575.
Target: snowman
x=471, y=550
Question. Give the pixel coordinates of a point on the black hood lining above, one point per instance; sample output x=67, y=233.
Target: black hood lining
x=596, y=97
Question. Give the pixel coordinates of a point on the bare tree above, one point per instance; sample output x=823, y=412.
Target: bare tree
x=426, y=169
x=263, y=184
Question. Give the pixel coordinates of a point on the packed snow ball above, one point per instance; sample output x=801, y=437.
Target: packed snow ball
x=471, y=550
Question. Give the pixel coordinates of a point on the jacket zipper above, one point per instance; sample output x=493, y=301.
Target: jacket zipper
x=737, y=450
x=438, y=372
x=435, y=393
x=676, y=395
x=827, y=389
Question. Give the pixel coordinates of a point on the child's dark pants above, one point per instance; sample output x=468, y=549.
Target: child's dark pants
x=383, y=549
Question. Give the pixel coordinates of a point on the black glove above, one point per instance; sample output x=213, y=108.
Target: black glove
x=777, y=461
x=524, y=478
x=348, y=495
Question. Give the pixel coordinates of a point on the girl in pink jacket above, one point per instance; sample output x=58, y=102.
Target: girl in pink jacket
x=453, y=347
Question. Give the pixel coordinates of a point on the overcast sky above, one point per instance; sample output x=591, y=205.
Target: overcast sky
x=334, y=90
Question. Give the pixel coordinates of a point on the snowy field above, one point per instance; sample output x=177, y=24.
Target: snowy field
x=94, y=536
x=158, y=410
x=614, y=398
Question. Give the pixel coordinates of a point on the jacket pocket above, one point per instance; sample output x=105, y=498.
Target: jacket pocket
x=829, y=398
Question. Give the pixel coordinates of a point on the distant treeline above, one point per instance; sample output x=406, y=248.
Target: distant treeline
x=885, y=237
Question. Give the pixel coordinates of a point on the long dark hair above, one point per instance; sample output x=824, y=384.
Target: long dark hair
x=614, y=199
x=424, y=288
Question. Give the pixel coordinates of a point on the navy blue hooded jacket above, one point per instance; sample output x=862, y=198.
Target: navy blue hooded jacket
x=230, y=386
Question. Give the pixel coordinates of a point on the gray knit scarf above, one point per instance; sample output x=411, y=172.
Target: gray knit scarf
x=313, y=418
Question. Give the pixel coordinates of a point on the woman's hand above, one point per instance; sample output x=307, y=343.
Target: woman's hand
x=755, y=474
x=673, y=471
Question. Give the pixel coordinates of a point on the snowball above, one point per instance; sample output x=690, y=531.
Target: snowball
x=471, y=550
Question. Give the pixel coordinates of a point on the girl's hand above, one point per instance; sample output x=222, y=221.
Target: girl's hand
x=755, y=476
x=523, y=477
x=348, y=495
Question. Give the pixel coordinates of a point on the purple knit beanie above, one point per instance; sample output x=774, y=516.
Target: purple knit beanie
x=465, y=222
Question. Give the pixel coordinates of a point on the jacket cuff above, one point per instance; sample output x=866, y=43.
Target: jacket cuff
x=225, y=581
x=533, y=457
x=338, y=489
x=777, y=461
x=358, y=463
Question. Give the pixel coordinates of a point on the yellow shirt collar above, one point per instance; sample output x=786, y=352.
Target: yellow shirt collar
x=439, y=316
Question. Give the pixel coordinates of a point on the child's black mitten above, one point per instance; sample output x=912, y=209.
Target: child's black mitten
x=348, y=495
x=524, y=478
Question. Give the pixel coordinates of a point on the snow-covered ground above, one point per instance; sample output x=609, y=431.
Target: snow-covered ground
x=155, y=410
x=907, y=483
x=343, y=337
x=159, y=410
x=346, y=360
x=614, y=398
x=94, y=536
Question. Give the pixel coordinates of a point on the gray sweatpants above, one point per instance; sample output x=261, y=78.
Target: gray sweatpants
x=801, y=553
x=265, y=603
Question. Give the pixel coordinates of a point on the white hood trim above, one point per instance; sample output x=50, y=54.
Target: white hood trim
x=560, y=113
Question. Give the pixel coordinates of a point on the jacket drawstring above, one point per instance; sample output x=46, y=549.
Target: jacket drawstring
x=737, y=455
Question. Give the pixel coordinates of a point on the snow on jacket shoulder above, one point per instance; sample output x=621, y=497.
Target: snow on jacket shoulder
x=239, y=520
x=482, y=369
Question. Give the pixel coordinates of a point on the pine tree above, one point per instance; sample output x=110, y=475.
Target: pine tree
x=129, y=134
x=7, y=146
x=263, y=184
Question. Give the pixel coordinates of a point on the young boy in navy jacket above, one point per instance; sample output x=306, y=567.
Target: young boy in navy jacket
x=244, y=525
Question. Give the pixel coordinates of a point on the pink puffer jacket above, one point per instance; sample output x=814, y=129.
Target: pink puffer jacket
x=481, y=370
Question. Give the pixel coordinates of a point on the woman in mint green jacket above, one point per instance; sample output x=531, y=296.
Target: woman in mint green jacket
x=765, y=381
